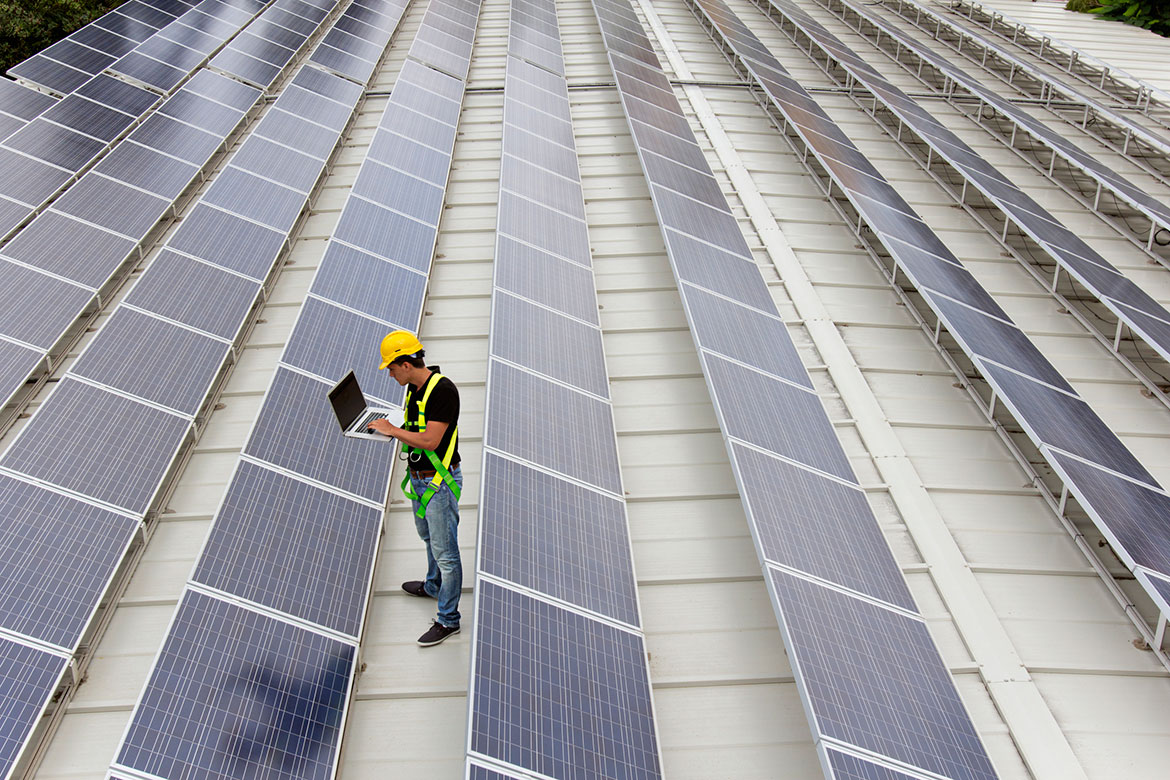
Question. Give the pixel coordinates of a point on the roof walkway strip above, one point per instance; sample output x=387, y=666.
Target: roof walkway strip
x=84, y=53
x=1152, y=216
x=1124, y=500
x=46, y=155
x=258, y=666
x=555, y=570
x=76, y=253
x=1145, y=148
x=876, y=692
x=1126, y=87
x=138, y=408
x=1005, y=203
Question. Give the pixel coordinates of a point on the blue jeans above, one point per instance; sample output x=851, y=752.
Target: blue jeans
x=439, y=529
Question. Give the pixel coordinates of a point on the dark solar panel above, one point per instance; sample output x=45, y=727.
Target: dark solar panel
x=97, y=38
x=55, y=145
x=190, y=38
x=595, y=717
x=50, y=74
x=279, y=163
x=29, y=181
x=393, y=189
x=129, y=445
x=283, y=543
x=297, y=133
x=271, y=31
x=284, y=18
x=23, y=313
x=57, y=561
x=23, y=102
x=540, y=151
x=437, y=135
x=28, y=678
x=875, y=680
x=929, y=271
x=68, y=247
x=236, y=694
x=136, y=353
x=177, y=139
x=147, y=169
x=574, y=447
x=166, y=290
x=668, y=145
x=246, y=67
x=329, y=341
x=744, y=334
x=557, y=538
x=228, y=241
x=298, y=431
x=359, y=281
x=172, y=53
x=1064, y=421
x=221, y=89
x=17, y=363
x=776, y=416
x=386, y=234
x=120, y=23
x=339, y=62
x=340, y=39
x=549, y=343
x=716, y=226
x=259, y=200
x=544, y=228
x=321, y=110
x=113, y=205
x=707, y=266
x=801, y=518
x=327, y=85
x=119, y=95
x=426, y=102
x=149, y=71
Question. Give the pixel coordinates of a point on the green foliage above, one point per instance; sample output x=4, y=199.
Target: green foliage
x=27, y=26
x=1082, y=6
x=1154, y=15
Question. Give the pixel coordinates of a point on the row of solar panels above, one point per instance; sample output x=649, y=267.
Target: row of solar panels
x=1125, y=501
x=1145, y=317
x=48, y=152
x=133, y=392
x=1150, y=213
x=870, y=675
x=1145, y=148
x=555, y=571
x=76, y=251
x=256, y=670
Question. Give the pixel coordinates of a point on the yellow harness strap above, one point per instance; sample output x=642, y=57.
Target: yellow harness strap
x=441, y=466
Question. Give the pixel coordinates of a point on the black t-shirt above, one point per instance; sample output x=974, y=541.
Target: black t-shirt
x=442, y=406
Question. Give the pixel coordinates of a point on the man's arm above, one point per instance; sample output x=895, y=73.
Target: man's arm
x=427, y=440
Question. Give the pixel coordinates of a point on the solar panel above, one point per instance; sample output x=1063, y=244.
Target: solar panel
x=141, y=439
x=149, y=71
x=557, y=538
x=112, y=205
x=311, y=556
x=228, y=241
x=425, y=162
x=204, y=113
x=849, y=767
x=223, y=90
x=544, y=228
x=357, y=280
x=58, y=561
x=725, y=273
x=561, y=194
x=28, y=180
x=297, y=431
x=49, y=73
x=328, y=341
x=23, y=314
x=55, y=145
x=166, y=291
x=17, y=362
x=28, y=678
x=236, y=693
x=548, y=343
x=862, y=664
x=177, y=139
x=259, y=200
x=142, y=167
x=591, y=682
x=66, y=246
x=386, y=233
x=321, y=110
x=546, y=279
x=325, y=85
x=136, y=353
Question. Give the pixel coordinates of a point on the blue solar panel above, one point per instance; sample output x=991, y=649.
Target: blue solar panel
x=801, y=518
x=223, y=90
x=27, y=180
x=147, y=169
x=544, y=228
x=298, y=431
x=707, y=266
x=776, y=416
x=57, y=561
x=166, y=290
x=548, y=280
x=536, y=183
x=136, y=353
x=258, y=199
x=407, y=155
x=129, y=446
x=237, y=694
x=578, y=447
x=68, y=247
x=385, y=233
x=594, y=719
x=311, y=556
x=228, y=241
x=28, y=678
x=847, y=767
x=149, y=71
x=329, y=341
x=23, y=313
x=177, y=139
x=112, y=205
x=396, y=190
x=358, y=280
x=188, y=106
x=17, y=364
x=86, y=116
x=558, y=538
x=537, y=150
x=549, y=343
x=23, y=102
x=875, y=680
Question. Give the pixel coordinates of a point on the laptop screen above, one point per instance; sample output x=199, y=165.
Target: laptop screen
x=348, y=401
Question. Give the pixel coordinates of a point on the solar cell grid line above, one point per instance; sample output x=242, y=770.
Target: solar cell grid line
x=1016, y=374
x=807, y=464
x=1150, y=211
x=1141, y=146
x=1014, y=204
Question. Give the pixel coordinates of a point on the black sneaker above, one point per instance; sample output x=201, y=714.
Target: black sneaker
x=436, y=634
x=416, y=588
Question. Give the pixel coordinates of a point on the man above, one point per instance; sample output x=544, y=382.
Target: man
x=429, y=436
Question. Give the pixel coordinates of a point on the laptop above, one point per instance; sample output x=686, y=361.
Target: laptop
x=353, y=415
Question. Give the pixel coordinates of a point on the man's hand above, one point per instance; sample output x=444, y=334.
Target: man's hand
x=384, y=426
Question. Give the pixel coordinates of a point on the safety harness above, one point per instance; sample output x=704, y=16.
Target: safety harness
x=441, y=466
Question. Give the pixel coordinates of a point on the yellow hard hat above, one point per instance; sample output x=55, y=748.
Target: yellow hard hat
x=397, y=344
